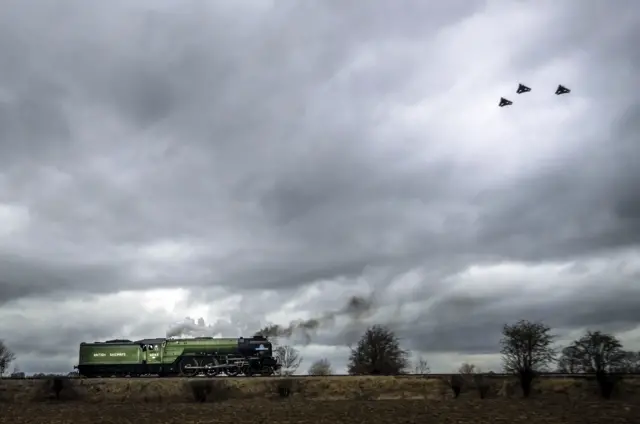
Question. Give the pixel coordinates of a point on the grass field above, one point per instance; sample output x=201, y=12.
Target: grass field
x=312, y=400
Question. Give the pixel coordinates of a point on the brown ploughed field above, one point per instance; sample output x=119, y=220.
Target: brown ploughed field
x=290, y=411
x=334, y=400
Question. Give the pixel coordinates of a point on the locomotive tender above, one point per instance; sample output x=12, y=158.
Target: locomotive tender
x=168, y=357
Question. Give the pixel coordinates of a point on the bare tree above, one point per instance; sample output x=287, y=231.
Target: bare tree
x=378, y=352
x=6, y=357
x=467, y=369
x=595, y=352
x=568, y=362
x=598, y=353
x=421, y=366
x=16, y=373
x=320, y=367
x=289, y=357
x=526, y=350
x=630, y=363
x=472, y=376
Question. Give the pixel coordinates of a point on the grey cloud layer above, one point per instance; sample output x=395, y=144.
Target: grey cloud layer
x=466, y=313
x=257, y=143
x=261, y=135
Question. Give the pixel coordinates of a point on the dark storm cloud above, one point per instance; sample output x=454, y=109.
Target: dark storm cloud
x=25, y=276
x=593, y=198
x=46, y=332
x=585, y=204
x=474, y=325
x=237, y=118
x=601, y=34
x=455, y=317
x=125, y=126
x=32, y=125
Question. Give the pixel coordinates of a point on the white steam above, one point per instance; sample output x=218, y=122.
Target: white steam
x=238, y=324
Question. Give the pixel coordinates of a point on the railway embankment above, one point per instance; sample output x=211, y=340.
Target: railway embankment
x=155, y=390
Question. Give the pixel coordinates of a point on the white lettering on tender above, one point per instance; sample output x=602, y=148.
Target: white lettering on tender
x=100, y=354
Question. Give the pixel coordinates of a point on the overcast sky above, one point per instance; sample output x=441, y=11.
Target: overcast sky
x=254, y=162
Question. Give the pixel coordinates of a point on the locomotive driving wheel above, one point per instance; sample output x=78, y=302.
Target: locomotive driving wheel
x=210, y=363
x=266, y=371
x=189, y=367
x=232, y=370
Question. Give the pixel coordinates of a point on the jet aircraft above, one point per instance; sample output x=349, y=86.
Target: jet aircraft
x=522, y=89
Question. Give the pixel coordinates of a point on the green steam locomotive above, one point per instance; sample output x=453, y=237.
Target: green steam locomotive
x=166, y=357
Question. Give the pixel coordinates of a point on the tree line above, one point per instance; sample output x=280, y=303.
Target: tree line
x=527, y=349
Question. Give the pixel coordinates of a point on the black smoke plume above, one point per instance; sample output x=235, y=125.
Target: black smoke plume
x=357, y=308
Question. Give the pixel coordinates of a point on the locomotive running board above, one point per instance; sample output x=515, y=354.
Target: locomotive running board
x=189, y=367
